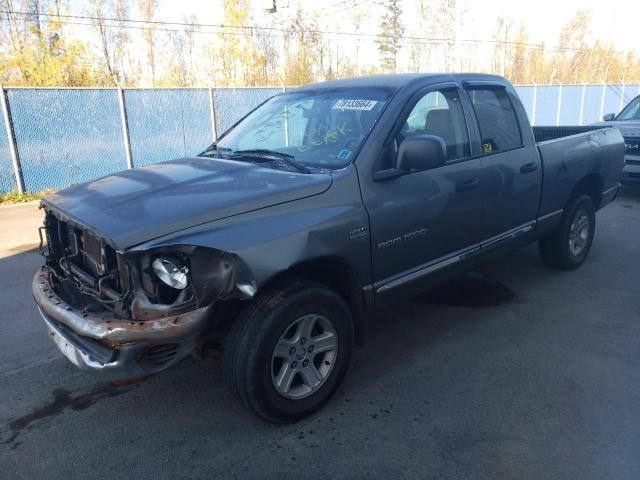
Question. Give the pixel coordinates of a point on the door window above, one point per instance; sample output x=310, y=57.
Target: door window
x=439, y=113
x=497, y=120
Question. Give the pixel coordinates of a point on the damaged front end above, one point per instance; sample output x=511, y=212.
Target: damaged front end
x=130, y=314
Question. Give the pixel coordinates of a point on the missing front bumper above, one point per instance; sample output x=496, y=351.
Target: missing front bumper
x=115, y=348
x=125, y=363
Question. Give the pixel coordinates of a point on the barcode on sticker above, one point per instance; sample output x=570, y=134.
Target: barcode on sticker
x=346, y=104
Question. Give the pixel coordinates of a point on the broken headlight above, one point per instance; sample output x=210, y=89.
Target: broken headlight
x=172, y=272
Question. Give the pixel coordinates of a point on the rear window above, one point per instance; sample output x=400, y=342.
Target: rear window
x=497, y=120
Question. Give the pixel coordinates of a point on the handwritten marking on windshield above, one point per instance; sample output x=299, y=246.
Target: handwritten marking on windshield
x=321, y=135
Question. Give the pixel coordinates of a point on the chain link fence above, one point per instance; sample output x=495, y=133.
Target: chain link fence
x=65, y=136
x=7, y=176
x=167, y=124
x=574, y=104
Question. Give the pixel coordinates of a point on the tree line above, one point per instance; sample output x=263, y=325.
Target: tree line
x=123, y=42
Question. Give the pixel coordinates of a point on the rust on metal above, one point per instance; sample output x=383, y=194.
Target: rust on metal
x=110, y=329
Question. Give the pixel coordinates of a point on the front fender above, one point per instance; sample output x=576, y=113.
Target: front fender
x=272, y=240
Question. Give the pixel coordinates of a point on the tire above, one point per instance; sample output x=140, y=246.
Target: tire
x=560, y=248
x=284, y=317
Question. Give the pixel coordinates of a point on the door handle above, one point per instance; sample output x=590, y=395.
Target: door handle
x=529, y=167
x=466, y=186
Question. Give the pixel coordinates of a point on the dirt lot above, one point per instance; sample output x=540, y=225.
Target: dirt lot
x=516, y=371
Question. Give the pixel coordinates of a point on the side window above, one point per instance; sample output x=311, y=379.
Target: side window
x=497, y=120
x=440, y=113
x=631, y=111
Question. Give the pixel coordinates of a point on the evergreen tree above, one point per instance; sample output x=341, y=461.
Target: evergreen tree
x=390, y=40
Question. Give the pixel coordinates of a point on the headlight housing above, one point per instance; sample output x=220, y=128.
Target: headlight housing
x=172, y=272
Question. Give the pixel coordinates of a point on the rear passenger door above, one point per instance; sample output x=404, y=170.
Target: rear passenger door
x=511, y=170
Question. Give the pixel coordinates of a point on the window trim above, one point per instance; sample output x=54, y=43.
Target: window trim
x=470, y=86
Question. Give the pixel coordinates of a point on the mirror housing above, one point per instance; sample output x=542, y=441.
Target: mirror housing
x=421, y=152
x=609, y=117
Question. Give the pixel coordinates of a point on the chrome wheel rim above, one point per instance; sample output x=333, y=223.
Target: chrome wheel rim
x=304, y=356
x=579, y=233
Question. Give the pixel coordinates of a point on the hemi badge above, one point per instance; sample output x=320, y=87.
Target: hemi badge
x=358, y=232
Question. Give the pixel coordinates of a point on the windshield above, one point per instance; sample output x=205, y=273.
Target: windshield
x=319, y=128
x=631, y=111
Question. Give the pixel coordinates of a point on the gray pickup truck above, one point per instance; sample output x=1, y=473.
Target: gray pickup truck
x=628, y=122
x=320, y=205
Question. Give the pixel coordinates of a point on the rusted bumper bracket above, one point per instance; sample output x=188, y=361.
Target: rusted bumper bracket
x=111, y=346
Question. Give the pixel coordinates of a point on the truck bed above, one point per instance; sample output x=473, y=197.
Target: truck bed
x=545, y=134
x=569, y=154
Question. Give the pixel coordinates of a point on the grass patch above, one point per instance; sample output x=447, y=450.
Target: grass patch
x=17, y=197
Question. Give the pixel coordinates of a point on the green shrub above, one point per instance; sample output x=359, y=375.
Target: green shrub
x=17, y=197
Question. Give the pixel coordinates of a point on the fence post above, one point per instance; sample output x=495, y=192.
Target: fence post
x=584, y=91
x=13, y=147
x=534, y=102
x=559, y=105
x=125, y=128
x=604, y=94
x=212, y=115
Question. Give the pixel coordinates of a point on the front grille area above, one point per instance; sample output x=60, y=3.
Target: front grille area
x=632, y=146
x=83, y=257
x=92, y=254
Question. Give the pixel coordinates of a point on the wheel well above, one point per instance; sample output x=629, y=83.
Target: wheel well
x=590, y=185
x=339, y=276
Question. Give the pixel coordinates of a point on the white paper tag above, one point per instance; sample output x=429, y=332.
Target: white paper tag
x=354, y=104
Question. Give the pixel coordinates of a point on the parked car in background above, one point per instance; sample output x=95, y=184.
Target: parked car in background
x=628, y=121
x=323, y=203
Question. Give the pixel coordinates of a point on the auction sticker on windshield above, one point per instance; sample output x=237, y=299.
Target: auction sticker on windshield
x=346, y=104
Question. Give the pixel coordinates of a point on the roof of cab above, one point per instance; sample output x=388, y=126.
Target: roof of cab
x=399, y=80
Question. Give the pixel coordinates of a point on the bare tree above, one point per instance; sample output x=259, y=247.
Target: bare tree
x=148, y=9
x=97, y=10
x=121, y=39
x=449, y=18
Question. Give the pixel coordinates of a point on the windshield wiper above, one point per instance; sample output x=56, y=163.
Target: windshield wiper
x=213, y=148
x=285, y=157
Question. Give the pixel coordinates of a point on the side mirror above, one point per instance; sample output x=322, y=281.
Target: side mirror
x=609, y=117
x=421, y=152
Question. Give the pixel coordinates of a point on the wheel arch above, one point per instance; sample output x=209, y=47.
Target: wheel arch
x=590, y=185
x=337, y=274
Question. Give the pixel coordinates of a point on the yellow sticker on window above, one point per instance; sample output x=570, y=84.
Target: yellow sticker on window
x=487, y=147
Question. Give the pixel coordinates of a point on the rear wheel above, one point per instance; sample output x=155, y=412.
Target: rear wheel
x=568, y=245
x=288, y=351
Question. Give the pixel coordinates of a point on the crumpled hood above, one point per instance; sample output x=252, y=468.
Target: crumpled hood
x=137, y=205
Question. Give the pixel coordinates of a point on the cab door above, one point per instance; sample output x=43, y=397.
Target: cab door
x=426, y=224
x=511, y=170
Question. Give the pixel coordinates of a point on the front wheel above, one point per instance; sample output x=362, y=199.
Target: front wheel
x=567, y=246
x=288, y=350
